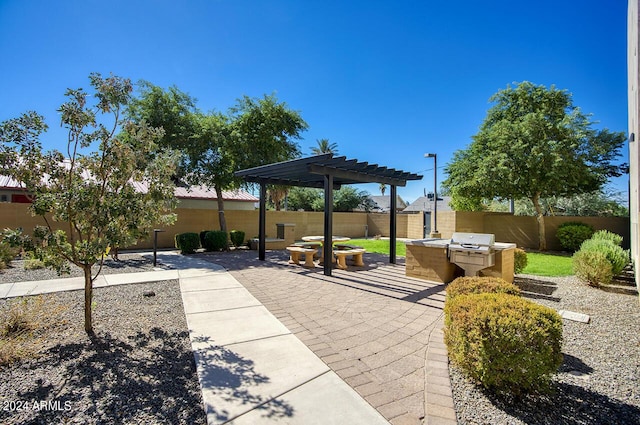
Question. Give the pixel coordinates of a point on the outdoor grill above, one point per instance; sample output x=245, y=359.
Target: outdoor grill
x=472, y=252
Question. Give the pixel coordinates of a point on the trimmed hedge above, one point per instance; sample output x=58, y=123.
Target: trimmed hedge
x=617, y=257
x=508, y=344
x=187, y=243
x=606, y=235
x=592, y=267
x=480, y=284
x=571, y=234
x=519, y=260
x=237, y=237
x=215, y=240
x=204, y=232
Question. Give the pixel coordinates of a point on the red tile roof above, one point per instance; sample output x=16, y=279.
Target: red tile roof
x=193, y=192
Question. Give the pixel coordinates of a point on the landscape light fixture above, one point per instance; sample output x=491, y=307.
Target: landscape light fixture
x=434, y=232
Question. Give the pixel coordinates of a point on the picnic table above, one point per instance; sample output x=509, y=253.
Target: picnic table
x=320, y=240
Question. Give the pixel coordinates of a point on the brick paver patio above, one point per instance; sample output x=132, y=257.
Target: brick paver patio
x=379, y=330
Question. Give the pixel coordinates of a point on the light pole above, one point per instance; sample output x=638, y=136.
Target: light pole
x=434, y=232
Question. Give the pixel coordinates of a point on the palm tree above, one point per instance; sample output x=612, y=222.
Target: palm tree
x=324, y=146
x=383, y=188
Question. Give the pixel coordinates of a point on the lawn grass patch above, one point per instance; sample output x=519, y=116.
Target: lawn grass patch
x=379, y=246
x=544, y=264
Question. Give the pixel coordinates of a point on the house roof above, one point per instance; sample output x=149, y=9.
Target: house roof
x=425, y=203
x=384, y=202
x=181, y=192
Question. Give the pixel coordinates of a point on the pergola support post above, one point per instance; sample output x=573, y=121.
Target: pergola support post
x=262, y=223
x=392, y=225
x=327, y=246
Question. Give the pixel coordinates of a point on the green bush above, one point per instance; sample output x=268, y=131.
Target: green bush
x=606, y=235
x=571, y=234
x=617, y=257
x=519, y=260
x=480, y=285
x=215, y=240
x=237, y=237
x=592, y=267
x=510, y=345
x=7, y=254
x=204, y=232
x=187, y=243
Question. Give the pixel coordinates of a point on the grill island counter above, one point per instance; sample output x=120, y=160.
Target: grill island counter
x=471, y=254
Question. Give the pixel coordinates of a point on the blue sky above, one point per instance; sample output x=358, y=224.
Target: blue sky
x=387, y=81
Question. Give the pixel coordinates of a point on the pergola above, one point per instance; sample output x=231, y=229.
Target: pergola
x=328, y=172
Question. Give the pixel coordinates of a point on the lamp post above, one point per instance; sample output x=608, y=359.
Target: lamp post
x=434, y=232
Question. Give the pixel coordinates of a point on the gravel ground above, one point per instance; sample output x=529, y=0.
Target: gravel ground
x=138, y=368
x=128, y=263
x=599, y=381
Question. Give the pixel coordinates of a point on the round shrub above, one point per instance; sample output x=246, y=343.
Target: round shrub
x=187, y=243
x=571, y=234
x=617, y=257
x=508, y=344
x=592, y=267
x=519, y=260
x=215, y=240
x=480, y=285
x=237, y=237
x=606, y=235
x=204, y=232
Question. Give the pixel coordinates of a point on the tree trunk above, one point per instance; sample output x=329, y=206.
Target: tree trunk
x=221, y=218
x=88, y=299
x=542, y=236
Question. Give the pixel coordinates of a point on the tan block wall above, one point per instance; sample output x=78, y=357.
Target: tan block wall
x=379, y=225
x=415, y=226
x=503, y=267
x=522, y=231
x=429, y=263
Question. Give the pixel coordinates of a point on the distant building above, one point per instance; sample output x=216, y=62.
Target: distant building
x=383, y=204
x=425, y=204
x=197, y=197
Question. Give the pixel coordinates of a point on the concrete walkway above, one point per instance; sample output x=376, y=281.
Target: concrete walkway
x=252, y=369
x=378, y=329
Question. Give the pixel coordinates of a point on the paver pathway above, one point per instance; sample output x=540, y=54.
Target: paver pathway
x=377, y=329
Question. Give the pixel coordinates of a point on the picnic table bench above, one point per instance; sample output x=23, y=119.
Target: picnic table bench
x=348, y=251
x=296, y=251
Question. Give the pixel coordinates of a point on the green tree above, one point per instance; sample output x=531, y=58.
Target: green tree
x=324, y=146
x=91, y=195
x=534, y=143
x=172, y=110
x=305, y=198
x=592, y=204
x=346, y=199
x=264, y=131
x=215, y=145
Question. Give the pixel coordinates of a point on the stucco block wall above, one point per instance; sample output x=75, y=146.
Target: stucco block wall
x=379, y=225
x=429, y=263
x=522, y=231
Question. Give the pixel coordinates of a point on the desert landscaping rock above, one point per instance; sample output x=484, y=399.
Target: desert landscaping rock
x=137, y=368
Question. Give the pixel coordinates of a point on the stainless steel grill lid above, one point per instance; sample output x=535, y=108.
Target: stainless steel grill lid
x=469, y=240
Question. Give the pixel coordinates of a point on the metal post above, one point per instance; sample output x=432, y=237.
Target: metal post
x=392, y=225
x=262, y=223
x=327, y=245
x=434, y=232
x=155, y=245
